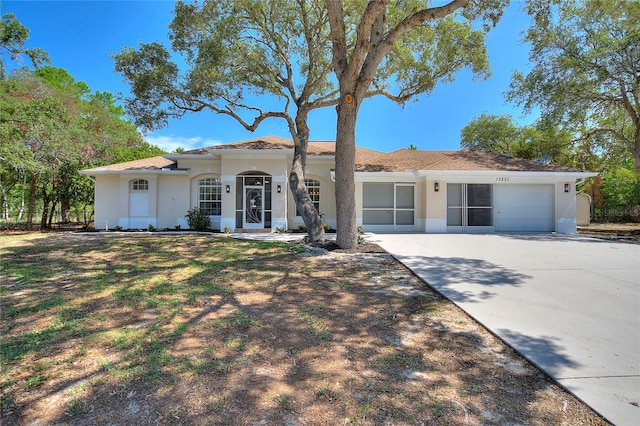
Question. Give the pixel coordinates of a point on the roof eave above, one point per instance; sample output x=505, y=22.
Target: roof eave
x=95, y=172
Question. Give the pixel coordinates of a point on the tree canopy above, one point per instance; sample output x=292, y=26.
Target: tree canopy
x=250, y=60
x=13, y=36
x=398, y=50
x=586, y=74
x=50, y=127
x=501, y=135
x=224, y=56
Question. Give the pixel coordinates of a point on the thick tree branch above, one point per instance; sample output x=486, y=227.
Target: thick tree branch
x=385, y=45
x=338, y=36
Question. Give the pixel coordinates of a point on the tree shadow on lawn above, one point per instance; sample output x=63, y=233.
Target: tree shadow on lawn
x=271, y=338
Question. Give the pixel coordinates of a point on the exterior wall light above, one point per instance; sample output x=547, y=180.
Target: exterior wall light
x=279, y=189
x=567, y=188
x=228, y=189
x=436, y=186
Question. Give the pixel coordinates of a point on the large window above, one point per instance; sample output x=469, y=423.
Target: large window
x=210, y=196
x=313, y=187
x=469, y=204
x=388, y=203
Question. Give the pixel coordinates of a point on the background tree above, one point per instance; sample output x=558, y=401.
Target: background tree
x=586, y=73
x=50, y=127
x=499, y=134
x=397, y=50
x=249, y=60
x=12, y=38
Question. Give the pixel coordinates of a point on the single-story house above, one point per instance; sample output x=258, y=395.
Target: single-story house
x=243, y=186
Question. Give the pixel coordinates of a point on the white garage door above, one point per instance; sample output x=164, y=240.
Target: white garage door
x=524, y=208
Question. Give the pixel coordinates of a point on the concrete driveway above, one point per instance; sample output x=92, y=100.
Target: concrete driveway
x=569, y=304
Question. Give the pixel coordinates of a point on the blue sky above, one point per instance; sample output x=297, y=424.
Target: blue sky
x=80, y=36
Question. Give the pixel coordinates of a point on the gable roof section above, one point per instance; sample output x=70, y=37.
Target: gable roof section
x=145, y=164
x=319, y=148
x=463, y=160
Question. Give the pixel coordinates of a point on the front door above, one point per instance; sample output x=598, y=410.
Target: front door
x=253, y=207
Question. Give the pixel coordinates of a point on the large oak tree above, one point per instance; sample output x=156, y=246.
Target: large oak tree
x=251, y=60
x=398, y=50
x=292, y=50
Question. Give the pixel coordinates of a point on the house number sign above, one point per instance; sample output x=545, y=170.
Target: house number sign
x=502, y=179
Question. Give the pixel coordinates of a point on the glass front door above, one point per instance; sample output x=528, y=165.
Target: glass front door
x=253, y=207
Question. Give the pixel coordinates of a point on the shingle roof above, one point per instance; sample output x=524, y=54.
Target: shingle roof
x=278, y=143
x=152, y=163
x=463, y=160
x=367, y=160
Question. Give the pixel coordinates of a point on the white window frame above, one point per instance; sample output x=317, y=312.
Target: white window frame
x=464, y=208
x=139, y=185
x=313, y=188
x=393, y=209
x=212, y=194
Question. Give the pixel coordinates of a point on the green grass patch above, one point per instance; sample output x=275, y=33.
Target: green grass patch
x=43, y=305
x=237, y=321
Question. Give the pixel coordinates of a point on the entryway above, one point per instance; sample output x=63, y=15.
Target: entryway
x=253, y=201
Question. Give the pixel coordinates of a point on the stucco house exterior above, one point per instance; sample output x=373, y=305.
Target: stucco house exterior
x=243, y=186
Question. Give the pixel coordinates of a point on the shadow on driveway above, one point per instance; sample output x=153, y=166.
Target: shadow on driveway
x=445, y=273
x=544, y=351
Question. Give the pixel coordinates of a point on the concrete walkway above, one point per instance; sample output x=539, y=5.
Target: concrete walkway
x=569, y=304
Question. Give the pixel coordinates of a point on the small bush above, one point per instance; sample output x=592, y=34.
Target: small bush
x=197, y=219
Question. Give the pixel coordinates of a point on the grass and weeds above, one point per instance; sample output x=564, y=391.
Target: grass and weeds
x=210, y=330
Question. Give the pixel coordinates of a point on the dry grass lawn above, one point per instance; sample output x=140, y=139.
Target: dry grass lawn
x=121, y=329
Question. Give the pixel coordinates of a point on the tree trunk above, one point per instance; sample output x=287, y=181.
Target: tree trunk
x=347, y=229
x=52, y=214
x=46, y=203
x=304, y=204
x=636, y=152
x=33, y=196
x=5, y=203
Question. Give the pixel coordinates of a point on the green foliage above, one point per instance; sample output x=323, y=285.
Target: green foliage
x=12, y=38
x=620, y=188
x=197, y=219
x=586, y=56
x=500, y=135
x=50, y=131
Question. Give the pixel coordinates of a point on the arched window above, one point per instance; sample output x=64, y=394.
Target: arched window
x=140, y=185
x=313, y=187
x=210, y=196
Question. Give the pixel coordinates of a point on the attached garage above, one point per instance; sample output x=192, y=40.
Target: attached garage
x=524, y=208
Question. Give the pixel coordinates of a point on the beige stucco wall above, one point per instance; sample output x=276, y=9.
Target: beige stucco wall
x=566, y=208
x=173, y=201
x=107, y=201
x=436, y=206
